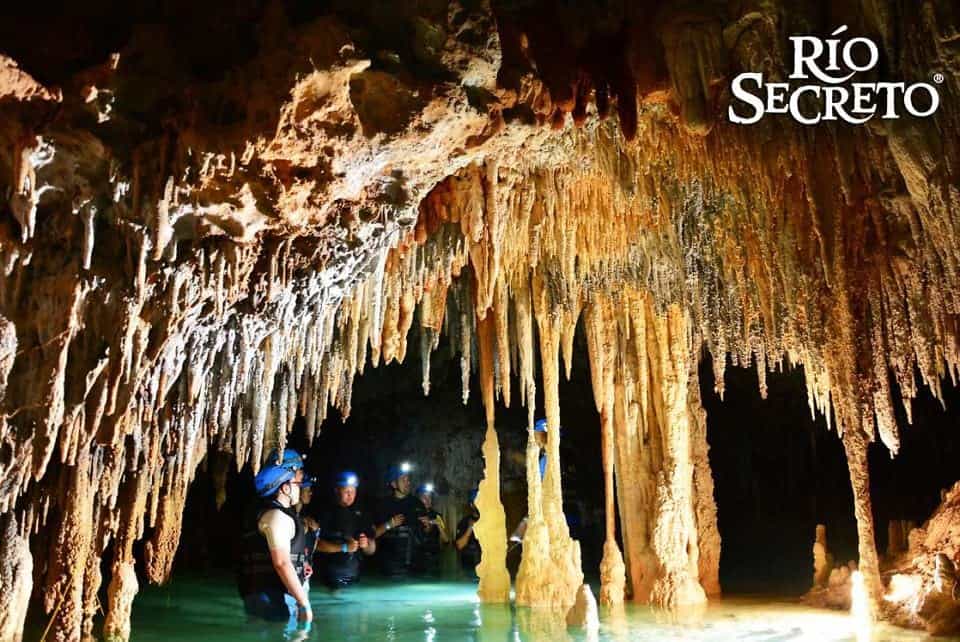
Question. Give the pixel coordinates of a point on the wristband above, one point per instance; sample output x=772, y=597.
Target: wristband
x=387, y=526
x=343, y=547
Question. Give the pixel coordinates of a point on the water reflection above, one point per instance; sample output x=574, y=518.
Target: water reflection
x=543, y=625
x=208, y=609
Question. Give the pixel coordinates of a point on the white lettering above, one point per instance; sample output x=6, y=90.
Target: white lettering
x=911, y=107
x=795, y=105
x=748, y=98
x=814, y=57
x=777, y=100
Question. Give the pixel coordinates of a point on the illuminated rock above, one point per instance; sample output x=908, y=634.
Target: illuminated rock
x=216, y=254
x=822, y=559
x=583, y=613
x=924, y=592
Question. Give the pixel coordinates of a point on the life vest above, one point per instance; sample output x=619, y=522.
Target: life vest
x=257, y=574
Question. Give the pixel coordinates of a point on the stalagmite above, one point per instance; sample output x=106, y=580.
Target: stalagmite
x=491, y=529
x=822, y=559
x=583, y=614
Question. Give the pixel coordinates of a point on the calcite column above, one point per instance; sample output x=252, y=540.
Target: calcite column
x=552, y=575
x=674, y=538
x=16, y=578
x=659, y=440
x=855, y=447
x=601, y=331
x=705, y=507
x=63, y=598
x=491, y=529
x=123, y=585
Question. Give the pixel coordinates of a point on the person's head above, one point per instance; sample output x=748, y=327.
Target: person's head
x=425, y=494
x=291, y=459
x=540, y=432
x=306, y=490
x=279, y=483
x=471, y=502
x=398, y=477
x=345, y=488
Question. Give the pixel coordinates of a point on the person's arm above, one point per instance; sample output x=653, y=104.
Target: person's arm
x=393, y=522
x=367, y=544
x=279, y=530
x=464, y=538
x=520, y=531
x=349, y=545
x=442, y=528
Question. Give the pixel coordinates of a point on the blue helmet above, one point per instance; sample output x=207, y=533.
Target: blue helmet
x=425, y=489
x=270, y=478
x=347, y=479
x=309, y=481
x=291, y=459
x=541, y=426
x=397, y=471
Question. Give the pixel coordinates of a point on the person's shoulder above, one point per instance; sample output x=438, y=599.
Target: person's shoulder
x=274, y=517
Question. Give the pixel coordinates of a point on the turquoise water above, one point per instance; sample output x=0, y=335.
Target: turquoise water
x=207, y=608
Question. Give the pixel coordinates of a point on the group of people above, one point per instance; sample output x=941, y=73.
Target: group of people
x=285, y=539
x=286, y=543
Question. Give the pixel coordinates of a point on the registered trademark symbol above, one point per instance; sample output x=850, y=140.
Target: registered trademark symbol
x=938, y=78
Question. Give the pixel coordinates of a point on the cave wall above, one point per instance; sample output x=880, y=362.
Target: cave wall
x=198, y=249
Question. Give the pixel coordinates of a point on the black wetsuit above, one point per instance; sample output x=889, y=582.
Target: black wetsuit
x=336, y=525
x=427, y=560
x=398, y=547
x=469, y=554
x=260, y=586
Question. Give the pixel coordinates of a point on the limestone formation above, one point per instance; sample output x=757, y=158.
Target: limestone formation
x=923, y=590
x=16, y=580
x=583, y=614
x=199, y=246
x=822, y=559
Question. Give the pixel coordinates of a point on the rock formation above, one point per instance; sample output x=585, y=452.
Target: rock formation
x=924, y=592
x=201, y=243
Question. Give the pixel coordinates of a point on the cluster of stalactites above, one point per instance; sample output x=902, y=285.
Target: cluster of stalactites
x=802, y=264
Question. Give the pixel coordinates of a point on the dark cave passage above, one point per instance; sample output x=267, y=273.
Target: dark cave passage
x=778, y=473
